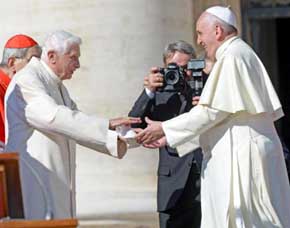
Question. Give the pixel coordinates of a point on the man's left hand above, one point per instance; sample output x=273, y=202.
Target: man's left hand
x=127, y=121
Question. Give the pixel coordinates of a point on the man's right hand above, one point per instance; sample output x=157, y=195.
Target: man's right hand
x=153, y=80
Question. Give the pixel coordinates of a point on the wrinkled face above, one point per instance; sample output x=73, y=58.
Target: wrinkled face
x=207, y=35
x=34, y=51
x=181, y=59
x=65, y=64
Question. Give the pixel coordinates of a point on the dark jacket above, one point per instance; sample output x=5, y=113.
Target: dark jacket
x=173, y=170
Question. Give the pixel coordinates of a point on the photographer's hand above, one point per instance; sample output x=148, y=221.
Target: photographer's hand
x=153, y=80
x=195, y=100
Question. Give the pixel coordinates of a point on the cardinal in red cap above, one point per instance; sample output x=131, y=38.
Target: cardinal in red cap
x=18, y=50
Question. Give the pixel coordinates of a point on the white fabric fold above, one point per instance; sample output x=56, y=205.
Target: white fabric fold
x=43, y=124
x=183, y=131
x=239, y=82
x=244, y=180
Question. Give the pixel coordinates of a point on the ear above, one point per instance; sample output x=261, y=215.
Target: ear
x=219, y=32
x=11, y=64
x=52, y=56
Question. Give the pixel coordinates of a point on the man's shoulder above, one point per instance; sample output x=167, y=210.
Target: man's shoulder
x=30, y=75
x=238, y=49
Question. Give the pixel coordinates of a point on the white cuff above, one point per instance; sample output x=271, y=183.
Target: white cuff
x=112, y=143
x=149, y=93
x=188, y=147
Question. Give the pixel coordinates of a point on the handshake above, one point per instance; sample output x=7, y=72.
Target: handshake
x=150, y=137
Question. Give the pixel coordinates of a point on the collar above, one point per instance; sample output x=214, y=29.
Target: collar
x=54, y=77
x=224, y=46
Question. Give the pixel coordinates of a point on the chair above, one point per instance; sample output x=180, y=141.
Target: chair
x=10, y=189
x=11, y=205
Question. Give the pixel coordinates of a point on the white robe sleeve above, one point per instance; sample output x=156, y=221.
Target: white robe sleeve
x=43, y=113
x=182, y=132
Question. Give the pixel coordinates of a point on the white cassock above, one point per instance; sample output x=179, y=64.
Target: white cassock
x=43, y=125
x=244, y=178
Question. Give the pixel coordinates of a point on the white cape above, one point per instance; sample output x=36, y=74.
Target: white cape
x=244, y=179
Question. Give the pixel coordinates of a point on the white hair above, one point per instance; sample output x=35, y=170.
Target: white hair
x=179, y=46
x=59, y=41
x=15, y=52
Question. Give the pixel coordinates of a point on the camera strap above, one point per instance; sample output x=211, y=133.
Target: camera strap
x=183, y=103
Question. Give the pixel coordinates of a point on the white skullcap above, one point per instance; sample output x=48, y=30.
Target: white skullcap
x=224, y=13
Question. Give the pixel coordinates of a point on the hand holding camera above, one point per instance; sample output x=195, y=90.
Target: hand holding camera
x=175, y=78
x=154, y=80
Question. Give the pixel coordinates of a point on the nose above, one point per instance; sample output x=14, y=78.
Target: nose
x=198, y=40
x=77, y=64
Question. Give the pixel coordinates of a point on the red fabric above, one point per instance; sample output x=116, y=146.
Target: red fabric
x=20, y=41
x=4, y=82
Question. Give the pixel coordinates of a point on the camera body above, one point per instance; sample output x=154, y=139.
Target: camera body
x=173, y=78
x=196, y=82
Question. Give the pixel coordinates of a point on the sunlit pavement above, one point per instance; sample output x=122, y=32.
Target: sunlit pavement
x=144, y=220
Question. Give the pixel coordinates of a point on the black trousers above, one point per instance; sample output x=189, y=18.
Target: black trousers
x=187, y=212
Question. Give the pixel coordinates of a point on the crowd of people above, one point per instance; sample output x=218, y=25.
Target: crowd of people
x=221, y=162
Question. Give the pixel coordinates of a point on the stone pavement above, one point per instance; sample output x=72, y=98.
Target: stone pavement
x=138, y=220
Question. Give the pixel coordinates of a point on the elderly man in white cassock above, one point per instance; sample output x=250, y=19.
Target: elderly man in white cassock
x=43, y=124
x=244, y=179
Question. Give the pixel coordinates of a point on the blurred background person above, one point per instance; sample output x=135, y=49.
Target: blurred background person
x=17, y=52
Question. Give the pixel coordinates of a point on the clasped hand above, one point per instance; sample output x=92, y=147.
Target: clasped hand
x=152, y=136
x=127, y=121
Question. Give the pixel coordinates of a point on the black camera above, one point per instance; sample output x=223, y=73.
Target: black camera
x=173, y=78
x=196, y=82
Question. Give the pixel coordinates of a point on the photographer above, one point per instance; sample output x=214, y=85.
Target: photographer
x=178, y=201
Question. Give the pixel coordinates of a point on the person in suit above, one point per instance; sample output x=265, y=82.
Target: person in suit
x=178, y=177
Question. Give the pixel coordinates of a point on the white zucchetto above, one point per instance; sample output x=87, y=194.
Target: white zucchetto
x=224, y=13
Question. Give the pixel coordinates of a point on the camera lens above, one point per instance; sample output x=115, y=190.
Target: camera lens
x=171, y=77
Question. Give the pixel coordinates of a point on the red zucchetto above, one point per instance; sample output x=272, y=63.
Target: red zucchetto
x=20, y=41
